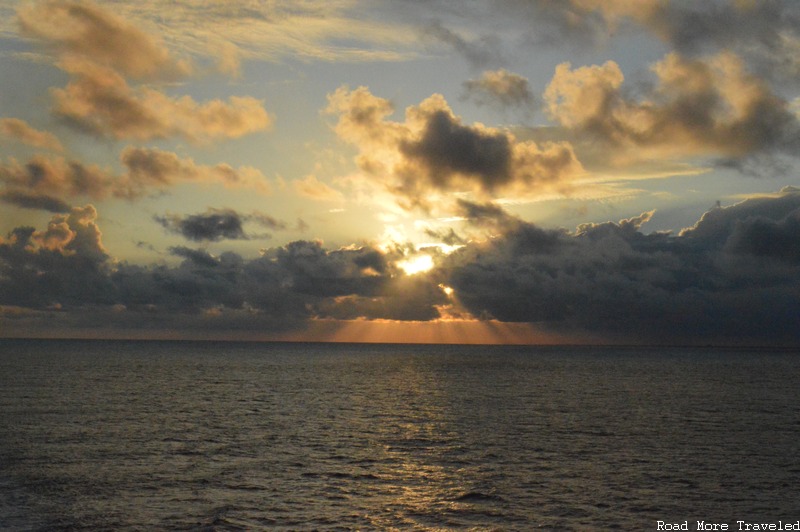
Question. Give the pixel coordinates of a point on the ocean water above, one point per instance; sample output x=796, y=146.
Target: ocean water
x=102, y=435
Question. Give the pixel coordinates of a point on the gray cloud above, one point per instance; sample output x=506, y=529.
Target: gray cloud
x=447, y=148
x=32, y=200
x=731, y=278
x=65, y=264
x=500, y=88
x=214, y=225
x=448, y=237
x=766, y=32
x=711, y=106
x=66, y=267
x=270, y=222
x=478, y=52
x=218, y=224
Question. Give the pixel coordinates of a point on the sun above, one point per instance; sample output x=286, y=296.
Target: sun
x=415, y=265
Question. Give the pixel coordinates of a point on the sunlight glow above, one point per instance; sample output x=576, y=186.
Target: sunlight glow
x=455, y=331
x=446, y=249
x=418, y=264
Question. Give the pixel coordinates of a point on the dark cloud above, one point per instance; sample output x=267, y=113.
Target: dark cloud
x=734, y=277
x=501, y=88
x=765, y=237
x=731, y=278
x=32, y=200
x=66, y=267
x=214, y=225
x=219, y=224
x=270, y=222
x=65, y=264
x=448, y=237
x=765, y=32
x=447, y=148
x=197, y=257
x=433, y=152
x=486, y=214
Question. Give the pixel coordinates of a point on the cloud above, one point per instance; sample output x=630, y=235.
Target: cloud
x=217, y=224
x=313, y=188
x=309, y=31
x=102, y=52
x=433, y=152
x=763, y=31
x=698, y=107
x=150, y=168
x=690, y=27
x=270, y=222
x=230, y=60
x=500, y=88
x=45, y=181
x=710, y=283
x=85, y=30
x=98, y=100
x=214, y=225
x=478, y=52
x=486, y=215
x=447, y=237
x=21, y=131
x=66, y=266
x=47, y=177
x=764, y=34
x=33, y=200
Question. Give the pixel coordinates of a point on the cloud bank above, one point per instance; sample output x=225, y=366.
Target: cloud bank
x=731, y=278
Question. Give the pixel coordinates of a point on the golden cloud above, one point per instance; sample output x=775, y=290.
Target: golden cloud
x=432, y=152
x=698, y=107
x=100, y=101
x=19, y=130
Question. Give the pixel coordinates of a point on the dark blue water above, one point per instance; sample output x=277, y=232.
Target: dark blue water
x=224, y=436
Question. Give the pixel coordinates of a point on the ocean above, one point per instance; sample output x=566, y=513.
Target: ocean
x=130, y=435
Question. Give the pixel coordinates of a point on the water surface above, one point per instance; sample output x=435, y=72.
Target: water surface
x=101, y=435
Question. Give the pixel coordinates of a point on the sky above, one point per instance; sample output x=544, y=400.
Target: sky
x=504, y=171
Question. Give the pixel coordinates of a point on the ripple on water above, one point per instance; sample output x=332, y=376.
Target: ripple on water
x=114, y=435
